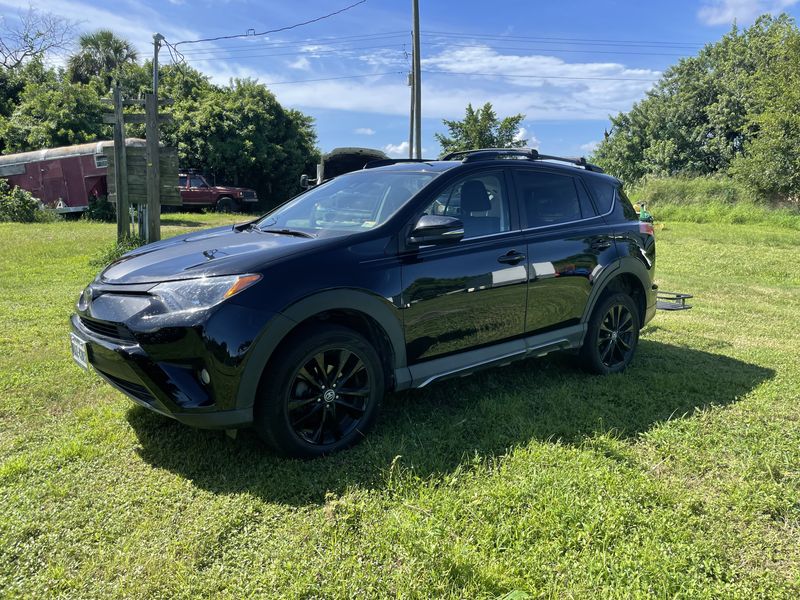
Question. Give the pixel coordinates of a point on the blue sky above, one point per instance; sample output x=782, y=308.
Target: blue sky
x=565, y=65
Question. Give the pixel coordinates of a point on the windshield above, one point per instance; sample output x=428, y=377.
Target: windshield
x=349, y=203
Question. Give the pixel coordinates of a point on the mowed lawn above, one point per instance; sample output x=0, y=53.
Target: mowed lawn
x=678, y=478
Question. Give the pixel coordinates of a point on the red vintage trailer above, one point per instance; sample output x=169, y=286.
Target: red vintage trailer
x=61, y=178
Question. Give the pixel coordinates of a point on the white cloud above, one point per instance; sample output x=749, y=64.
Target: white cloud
x=365, y=131
x=397, y=150
x=724, y=12
x=302, y=64
x=589, y=147
x=610, y=87
x=524, y=134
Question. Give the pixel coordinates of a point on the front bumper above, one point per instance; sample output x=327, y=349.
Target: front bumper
x=168, y=388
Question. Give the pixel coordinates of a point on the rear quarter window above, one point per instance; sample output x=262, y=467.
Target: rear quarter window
x=627, y=208
x=603, y=195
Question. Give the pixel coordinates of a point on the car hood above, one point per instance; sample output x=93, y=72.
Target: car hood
x=219, y=251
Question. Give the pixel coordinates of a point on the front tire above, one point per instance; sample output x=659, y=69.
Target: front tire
x=612, y=335
x=321, y=393
x=226, y=204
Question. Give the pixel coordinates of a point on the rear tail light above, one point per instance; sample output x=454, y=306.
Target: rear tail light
x=646, y=228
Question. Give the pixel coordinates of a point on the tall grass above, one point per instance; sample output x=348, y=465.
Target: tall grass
x=710, y=200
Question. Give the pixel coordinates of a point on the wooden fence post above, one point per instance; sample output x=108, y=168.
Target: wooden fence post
x=153, y=178
x=120, y=168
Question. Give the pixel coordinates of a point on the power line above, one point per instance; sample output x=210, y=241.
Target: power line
x=323, y=41
x=511, y=76
x=506, y=75
x=345, y=51
x=334, y=78
x=556, y=50
x=589, y=41
x=340, y=52
x=279, y=29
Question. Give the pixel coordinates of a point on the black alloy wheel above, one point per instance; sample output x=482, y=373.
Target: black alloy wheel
x=328, y=397
x=615, y=338
x=321, y=393
x=612, y=335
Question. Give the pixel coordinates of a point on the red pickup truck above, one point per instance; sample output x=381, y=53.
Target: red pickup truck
x=197, y=192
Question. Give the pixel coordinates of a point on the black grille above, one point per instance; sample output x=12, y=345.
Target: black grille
x=109, y=330
x=132, y=389
x=250, y=194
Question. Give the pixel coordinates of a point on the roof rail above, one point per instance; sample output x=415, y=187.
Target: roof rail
x=522, y=153
x=382, y=162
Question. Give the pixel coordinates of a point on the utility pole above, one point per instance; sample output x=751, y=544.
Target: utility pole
x=157, y=39
x=411, y=118
x=417, y=84
x=147, y=220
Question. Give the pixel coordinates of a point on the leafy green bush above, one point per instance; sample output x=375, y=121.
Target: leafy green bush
x=17, y=205
x=116, y=250
x=100, y=209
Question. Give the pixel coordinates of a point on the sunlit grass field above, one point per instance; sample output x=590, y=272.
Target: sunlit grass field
x=678, y=478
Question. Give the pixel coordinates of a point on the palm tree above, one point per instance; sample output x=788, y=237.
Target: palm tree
x=100, y=54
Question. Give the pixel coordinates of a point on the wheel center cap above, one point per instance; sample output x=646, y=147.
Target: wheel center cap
x=329, y=395
x=614, y=336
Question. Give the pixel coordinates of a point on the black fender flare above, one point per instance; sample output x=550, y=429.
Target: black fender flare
x=377, y=308
x=625, y=265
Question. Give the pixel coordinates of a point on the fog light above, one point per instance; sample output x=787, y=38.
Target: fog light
x=205, y=377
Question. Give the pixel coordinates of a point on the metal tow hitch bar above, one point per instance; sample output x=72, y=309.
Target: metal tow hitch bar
x=672, y=301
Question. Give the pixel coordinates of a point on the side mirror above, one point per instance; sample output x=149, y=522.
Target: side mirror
x=436, y=229
x=304, y=181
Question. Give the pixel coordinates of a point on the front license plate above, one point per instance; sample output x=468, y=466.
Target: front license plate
x=79, y=350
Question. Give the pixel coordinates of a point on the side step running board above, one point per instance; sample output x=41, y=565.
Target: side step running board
x=672, y=301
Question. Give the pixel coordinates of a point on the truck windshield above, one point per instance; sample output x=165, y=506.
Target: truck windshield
x=349, y=203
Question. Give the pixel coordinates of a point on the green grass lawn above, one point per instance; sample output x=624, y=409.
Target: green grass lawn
x=680, y=477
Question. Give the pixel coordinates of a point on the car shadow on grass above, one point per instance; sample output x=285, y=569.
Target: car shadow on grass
x=436, y=429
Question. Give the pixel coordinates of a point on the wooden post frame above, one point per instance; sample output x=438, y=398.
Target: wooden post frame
x=121, y=172
x=153, y=179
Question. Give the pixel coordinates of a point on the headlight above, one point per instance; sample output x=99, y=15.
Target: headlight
x=199, y=294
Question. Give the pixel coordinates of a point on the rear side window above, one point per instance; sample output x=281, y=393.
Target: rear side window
x=603, y=195
x=550, y=199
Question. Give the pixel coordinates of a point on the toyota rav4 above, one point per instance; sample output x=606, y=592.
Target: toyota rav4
x=392, y=277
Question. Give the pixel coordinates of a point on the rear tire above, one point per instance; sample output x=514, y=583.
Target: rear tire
x=321, y=393
x=612, y=335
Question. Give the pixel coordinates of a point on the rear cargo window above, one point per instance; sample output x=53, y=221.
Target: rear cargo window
x=603, y=195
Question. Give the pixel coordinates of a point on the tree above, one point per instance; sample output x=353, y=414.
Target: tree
x=482, y=129
x=54, y=113
x=703, y=113
x=101, y=55
x=33, y=35
x=240, y=134
x=770, y=160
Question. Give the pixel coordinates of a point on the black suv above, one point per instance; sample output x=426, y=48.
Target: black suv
x=388, y=278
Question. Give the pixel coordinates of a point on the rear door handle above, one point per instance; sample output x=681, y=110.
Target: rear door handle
x=511, y=258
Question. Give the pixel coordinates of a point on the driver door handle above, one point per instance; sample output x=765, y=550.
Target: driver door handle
x=511, y=258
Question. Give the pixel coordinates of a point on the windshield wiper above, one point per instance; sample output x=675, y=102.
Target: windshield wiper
x=293, y=232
